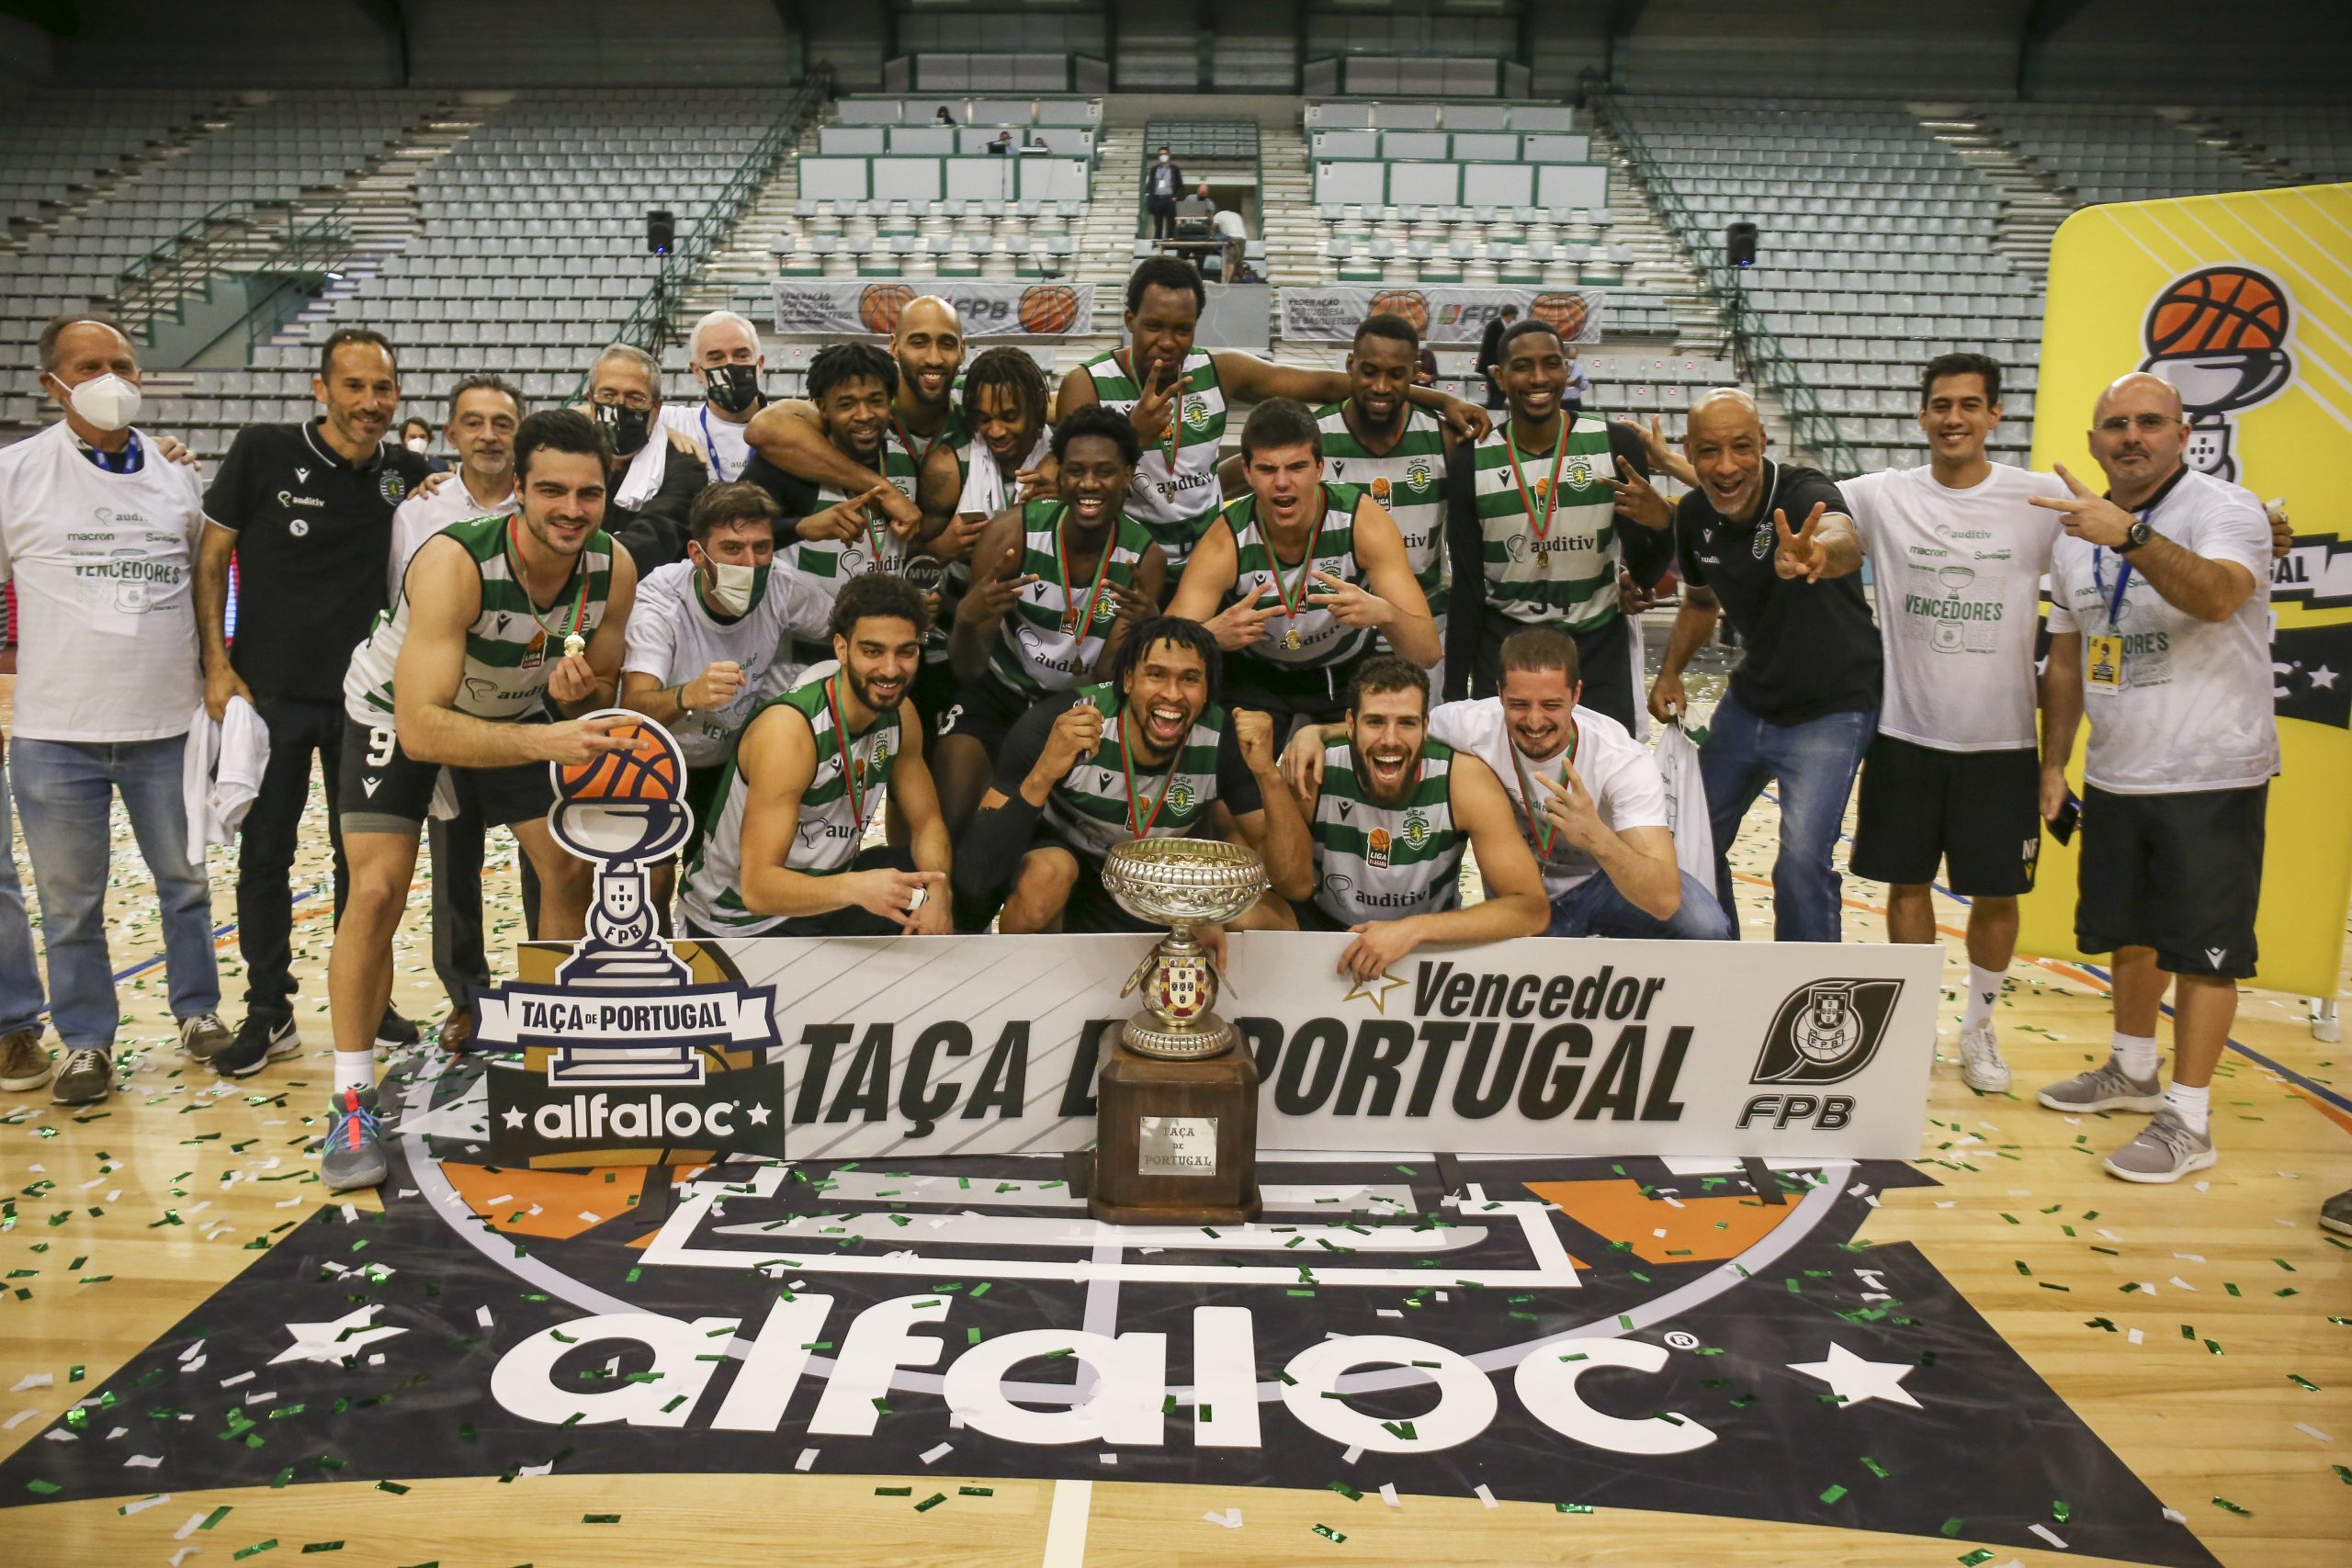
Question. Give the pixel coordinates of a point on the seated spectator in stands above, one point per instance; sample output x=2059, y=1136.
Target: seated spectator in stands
x=1228, y=225
x=1490, y=347
x=1160, y=183
x=942, y=116
x=654, y=483
x=417, y=434
x=1425, y=366
x=97, y=531
x=1036, y=142
x=1002, y=146
x=725, y=352
x=1195, y=215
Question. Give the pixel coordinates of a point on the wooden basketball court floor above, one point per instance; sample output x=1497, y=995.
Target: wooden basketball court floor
x=2204, y=1331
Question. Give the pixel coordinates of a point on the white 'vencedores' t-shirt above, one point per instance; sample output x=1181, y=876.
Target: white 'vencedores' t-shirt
x=104, y=569
x=1617, y=770
x=1958, y=574
x=2175, y=704
x=674, y=636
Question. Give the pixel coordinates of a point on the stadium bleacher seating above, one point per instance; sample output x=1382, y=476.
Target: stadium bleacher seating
x=2117, y=152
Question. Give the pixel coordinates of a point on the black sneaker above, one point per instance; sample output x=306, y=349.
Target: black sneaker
x=259, y=1038
x=395, y=1030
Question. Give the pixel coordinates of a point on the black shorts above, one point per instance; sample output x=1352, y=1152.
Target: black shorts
x=1290, y=696
x=382, y=789
x=1604, y=663
x=986, y=710
x=2181, y=873
x=934, y=690
x=1978, y=813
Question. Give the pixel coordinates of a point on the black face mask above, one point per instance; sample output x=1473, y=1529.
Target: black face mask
x=734, y=388
x=628, y=426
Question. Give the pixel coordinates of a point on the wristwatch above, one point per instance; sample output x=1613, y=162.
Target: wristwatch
x=2134, y=536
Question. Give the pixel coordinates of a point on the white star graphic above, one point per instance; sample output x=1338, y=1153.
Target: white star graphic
x=512, y=1117
x=2322, y=676
x=331, y=1342
x=1855, y=1380
x=759, y=1115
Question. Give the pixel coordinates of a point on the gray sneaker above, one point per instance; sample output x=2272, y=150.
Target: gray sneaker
x=86, y=1079
x=2166, y=1150
x=354, y=1144
x=2105, y=1088
x=2336, y=1213
x=202, y=1037
x=23, y=1064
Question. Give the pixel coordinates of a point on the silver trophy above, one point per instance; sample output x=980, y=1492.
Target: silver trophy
x=1186, y=882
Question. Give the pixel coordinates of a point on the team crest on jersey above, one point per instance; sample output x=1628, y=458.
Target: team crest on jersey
x=1418, y=474
x=393, y=487
x=1580, y=473
x=1196, y=416
x=1376, y=853
x=1180, y=796
x=1762, y=545
x=1416, y=828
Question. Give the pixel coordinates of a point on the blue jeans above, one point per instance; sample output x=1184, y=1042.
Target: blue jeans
x=65, y=790
x=1595, y=908
x=1813, y=763
x=21, y=1002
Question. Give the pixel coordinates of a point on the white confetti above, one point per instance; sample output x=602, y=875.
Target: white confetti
x=2314, y=1431
x=932, y=1456
x=1353, y=1453
x=1108, y=1459
x=144, y=1504
x=1388, y=1493
x=808, y=1457
x=2046, y=1533
x=2183, y=1284
x=2173, y=1516
x=1230, y=1519
x=1484, y=1495
x=35, y=1380
x=482, y=1316
x=2136, y=1337
x=189, y=1529
x=2190, y=1256
x=18, y=1419
x=143, y=1461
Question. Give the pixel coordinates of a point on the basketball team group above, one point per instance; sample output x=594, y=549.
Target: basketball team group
x=934, y=640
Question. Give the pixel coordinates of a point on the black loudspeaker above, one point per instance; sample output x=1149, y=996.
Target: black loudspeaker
x=662, y=230
x=1739, y=244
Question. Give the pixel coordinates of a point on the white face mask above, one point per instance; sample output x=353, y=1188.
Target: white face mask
x=733, y=590
x=107, y=402
x=420, y=444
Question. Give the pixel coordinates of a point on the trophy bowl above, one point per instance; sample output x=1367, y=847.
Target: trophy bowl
x=1185, y=881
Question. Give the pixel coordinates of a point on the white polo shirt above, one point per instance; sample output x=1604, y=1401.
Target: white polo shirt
x=104, y=568
x=1959, y=585
x=1619, y=771
x=2175, y=704
x=420, y=516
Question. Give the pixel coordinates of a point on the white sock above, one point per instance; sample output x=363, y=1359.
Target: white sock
x=355, y=1069
x=1984, y=989
x=2191, y=1105
x=2137, y=1052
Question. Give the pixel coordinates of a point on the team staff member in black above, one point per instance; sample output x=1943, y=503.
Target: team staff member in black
x=306, y=512
x=1803, y=704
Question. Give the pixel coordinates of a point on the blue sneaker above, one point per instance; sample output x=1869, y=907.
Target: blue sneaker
x=355, y=1147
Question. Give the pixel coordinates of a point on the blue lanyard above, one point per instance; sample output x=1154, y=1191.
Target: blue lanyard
x=711, y=447
x=2123, y=576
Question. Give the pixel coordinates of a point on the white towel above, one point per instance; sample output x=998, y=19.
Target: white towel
x=222, y=772
x=985, y=492
x=644, y=480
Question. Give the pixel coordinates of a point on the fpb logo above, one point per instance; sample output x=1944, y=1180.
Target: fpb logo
x=2220, y=336
x=1826, y=1031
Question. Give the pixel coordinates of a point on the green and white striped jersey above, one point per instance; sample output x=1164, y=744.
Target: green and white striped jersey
x=509, y=648
x=1174, y=503
x=835, y=808
x=1409, y=483
x=1091, y=810
x=1377, y=862
x=1313, y=638
x=1568, y=578
x=1039, y=647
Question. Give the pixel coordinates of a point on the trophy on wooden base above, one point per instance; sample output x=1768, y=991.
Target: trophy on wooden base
x=1176, y=1127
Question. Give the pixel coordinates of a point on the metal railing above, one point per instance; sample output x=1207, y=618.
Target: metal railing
x=288, y=271
x=1757, y=354
x=647, y=325
x=177, y=267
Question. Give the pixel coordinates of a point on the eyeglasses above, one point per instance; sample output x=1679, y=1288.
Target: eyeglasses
x=636, y=401
x=2148, y=423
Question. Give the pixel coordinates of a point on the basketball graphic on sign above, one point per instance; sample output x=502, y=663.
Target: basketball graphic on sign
x=1409, y=303
x=650, y=773
x=1048, y=308
x=2219, y=335
x=879, y=306
x=1563, y=313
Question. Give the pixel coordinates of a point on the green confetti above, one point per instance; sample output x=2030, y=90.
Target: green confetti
x=976, y=1491
x=1951, y=1527
x=1574, y=1507
x=42, y=1488
x=894, y=1491
x=931, y=1502
x=2060, y=1511
x=1874, y=1467
x=1970, y=1558
x=1328, y=1533
x=1833, y=1492
x=255, y=1550
x=600, y=1519
x=1350, y=1492
x=2303, y=1383
x=2243, y=1513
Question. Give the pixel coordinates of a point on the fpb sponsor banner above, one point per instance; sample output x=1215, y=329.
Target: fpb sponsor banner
x=817, y=307
x=2244, y=302
x=1446, y=316
x=980, y=1044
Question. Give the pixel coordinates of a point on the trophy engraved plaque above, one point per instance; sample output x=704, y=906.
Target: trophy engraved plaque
x=1176, y=1127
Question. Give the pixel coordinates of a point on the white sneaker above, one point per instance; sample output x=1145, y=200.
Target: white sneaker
x=1980, y=1060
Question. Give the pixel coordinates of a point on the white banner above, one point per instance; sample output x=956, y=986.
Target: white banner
x=1448, y=316
x=988, y=1044
x=837, y=308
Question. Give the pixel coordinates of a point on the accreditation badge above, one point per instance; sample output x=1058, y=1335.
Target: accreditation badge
x=2103, y=664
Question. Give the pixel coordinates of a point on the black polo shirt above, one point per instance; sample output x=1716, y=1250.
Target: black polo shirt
x=1811, y=648
x=314, y=531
